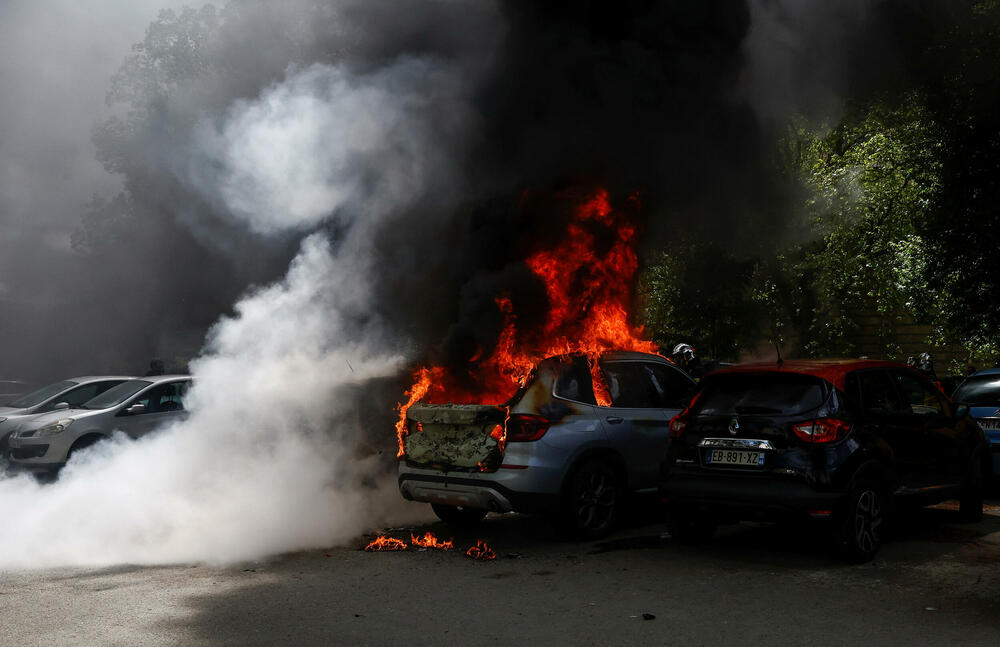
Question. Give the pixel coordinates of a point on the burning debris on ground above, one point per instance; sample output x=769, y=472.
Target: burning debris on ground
x=428, y=541
x=481, y=552
x=385, y=544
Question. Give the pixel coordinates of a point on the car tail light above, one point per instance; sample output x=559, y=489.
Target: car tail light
x=677, y=426
x=822, y=430
x=525, y=427
x=679, y=422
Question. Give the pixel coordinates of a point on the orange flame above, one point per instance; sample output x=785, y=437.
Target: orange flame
x=430, y=541
x=481, y=551
x=588, y=280
x=383, y=543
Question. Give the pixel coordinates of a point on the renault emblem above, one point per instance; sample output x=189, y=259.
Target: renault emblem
x=734, y=426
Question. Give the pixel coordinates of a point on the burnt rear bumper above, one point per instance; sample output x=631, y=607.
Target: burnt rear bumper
x=472, y=493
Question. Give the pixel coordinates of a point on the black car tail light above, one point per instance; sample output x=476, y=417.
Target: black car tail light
x=526, y=427
x=822, y=430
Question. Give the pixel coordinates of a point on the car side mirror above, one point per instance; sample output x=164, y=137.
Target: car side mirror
x=60, y=405
x=961, y=410
x=136, y=409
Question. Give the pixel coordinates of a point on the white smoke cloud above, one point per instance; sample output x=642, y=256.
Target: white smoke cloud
x=327, y=138
x=266, y=462
x=263, y=465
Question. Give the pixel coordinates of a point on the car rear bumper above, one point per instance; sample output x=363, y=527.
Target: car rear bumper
x=747, y=496
x=472, y=493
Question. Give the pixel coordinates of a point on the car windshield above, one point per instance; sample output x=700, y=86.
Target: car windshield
x=980, y=390
x=116, y=395
x=760, y=393
x=41, y=395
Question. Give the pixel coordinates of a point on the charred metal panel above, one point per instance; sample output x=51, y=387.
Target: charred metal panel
x=454, y=437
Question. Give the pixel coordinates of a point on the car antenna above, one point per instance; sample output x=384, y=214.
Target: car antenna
x=778, y=351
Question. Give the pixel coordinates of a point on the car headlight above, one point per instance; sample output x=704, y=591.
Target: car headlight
x=55, y=427
x=2, y=419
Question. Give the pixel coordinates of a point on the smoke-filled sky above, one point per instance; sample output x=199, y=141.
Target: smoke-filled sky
x=328, y=191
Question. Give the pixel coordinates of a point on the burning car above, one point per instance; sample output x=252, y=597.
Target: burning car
x=837, y=441
x=573, y=441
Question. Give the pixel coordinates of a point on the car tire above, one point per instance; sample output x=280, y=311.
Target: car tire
x=689, y=527
x=970, y=502
x=590, y=503
x=458, y=516
x=862, y=523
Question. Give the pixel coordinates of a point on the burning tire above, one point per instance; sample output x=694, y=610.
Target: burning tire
x=590, y=506
x=458, y=516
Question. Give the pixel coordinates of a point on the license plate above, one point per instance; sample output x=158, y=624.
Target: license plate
x=734, y=457
x=990, y=424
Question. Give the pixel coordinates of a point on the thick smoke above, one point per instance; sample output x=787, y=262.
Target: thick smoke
x=407, y=166
x=264, y=464
x=326, y=139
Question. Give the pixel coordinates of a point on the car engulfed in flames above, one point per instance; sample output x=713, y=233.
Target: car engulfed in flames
x=569, y=415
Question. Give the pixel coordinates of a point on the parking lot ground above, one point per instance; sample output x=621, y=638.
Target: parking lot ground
x=935, y=582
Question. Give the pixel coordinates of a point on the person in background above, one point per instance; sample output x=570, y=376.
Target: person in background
x=155, y=367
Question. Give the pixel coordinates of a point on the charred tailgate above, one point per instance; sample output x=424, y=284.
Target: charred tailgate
x=455, y=437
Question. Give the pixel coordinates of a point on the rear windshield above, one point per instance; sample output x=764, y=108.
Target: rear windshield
x=981, y=390
x=41, y=395
x=760, y=393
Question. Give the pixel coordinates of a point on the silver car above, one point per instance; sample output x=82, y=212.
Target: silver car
x=59, y=395
x=134, y=407
x=553, y=447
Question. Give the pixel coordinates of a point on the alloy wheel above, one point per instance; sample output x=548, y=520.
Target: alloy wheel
x=868, y=521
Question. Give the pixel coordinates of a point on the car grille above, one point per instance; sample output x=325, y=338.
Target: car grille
x=35, y=451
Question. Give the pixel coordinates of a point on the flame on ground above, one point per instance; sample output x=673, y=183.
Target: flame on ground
x=481, y=551
x=384, y=543
x=588, y=279
x=430, y=541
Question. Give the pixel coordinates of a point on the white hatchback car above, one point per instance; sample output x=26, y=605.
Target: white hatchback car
x=58, y=395
x=135, y=407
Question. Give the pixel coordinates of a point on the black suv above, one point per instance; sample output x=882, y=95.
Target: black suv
x=839, y=440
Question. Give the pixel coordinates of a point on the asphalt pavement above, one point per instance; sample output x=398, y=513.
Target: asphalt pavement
x=936, y=582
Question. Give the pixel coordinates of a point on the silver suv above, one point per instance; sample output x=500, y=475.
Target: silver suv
x=58, y=395
x=134, y=407
x=552, y=448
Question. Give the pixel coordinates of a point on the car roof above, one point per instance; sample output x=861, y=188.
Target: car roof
x=831, y=370
x=155, y=379
x=98, y=378
x=986, y=371
x=632, y=355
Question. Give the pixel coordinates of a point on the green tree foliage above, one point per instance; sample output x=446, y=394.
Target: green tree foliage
x=900, y=209
x=704, y=296
x=869, y=184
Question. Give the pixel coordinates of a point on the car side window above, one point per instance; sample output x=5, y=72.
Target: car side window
x=573, y=381
x=673, y=388
x=878, y=394
x=79, y=395
x=922, y=399
x=163, y=398
x=630, y=385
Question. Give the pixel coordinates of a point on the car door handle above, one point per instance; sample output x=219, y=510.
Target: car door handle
x=615, y=420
